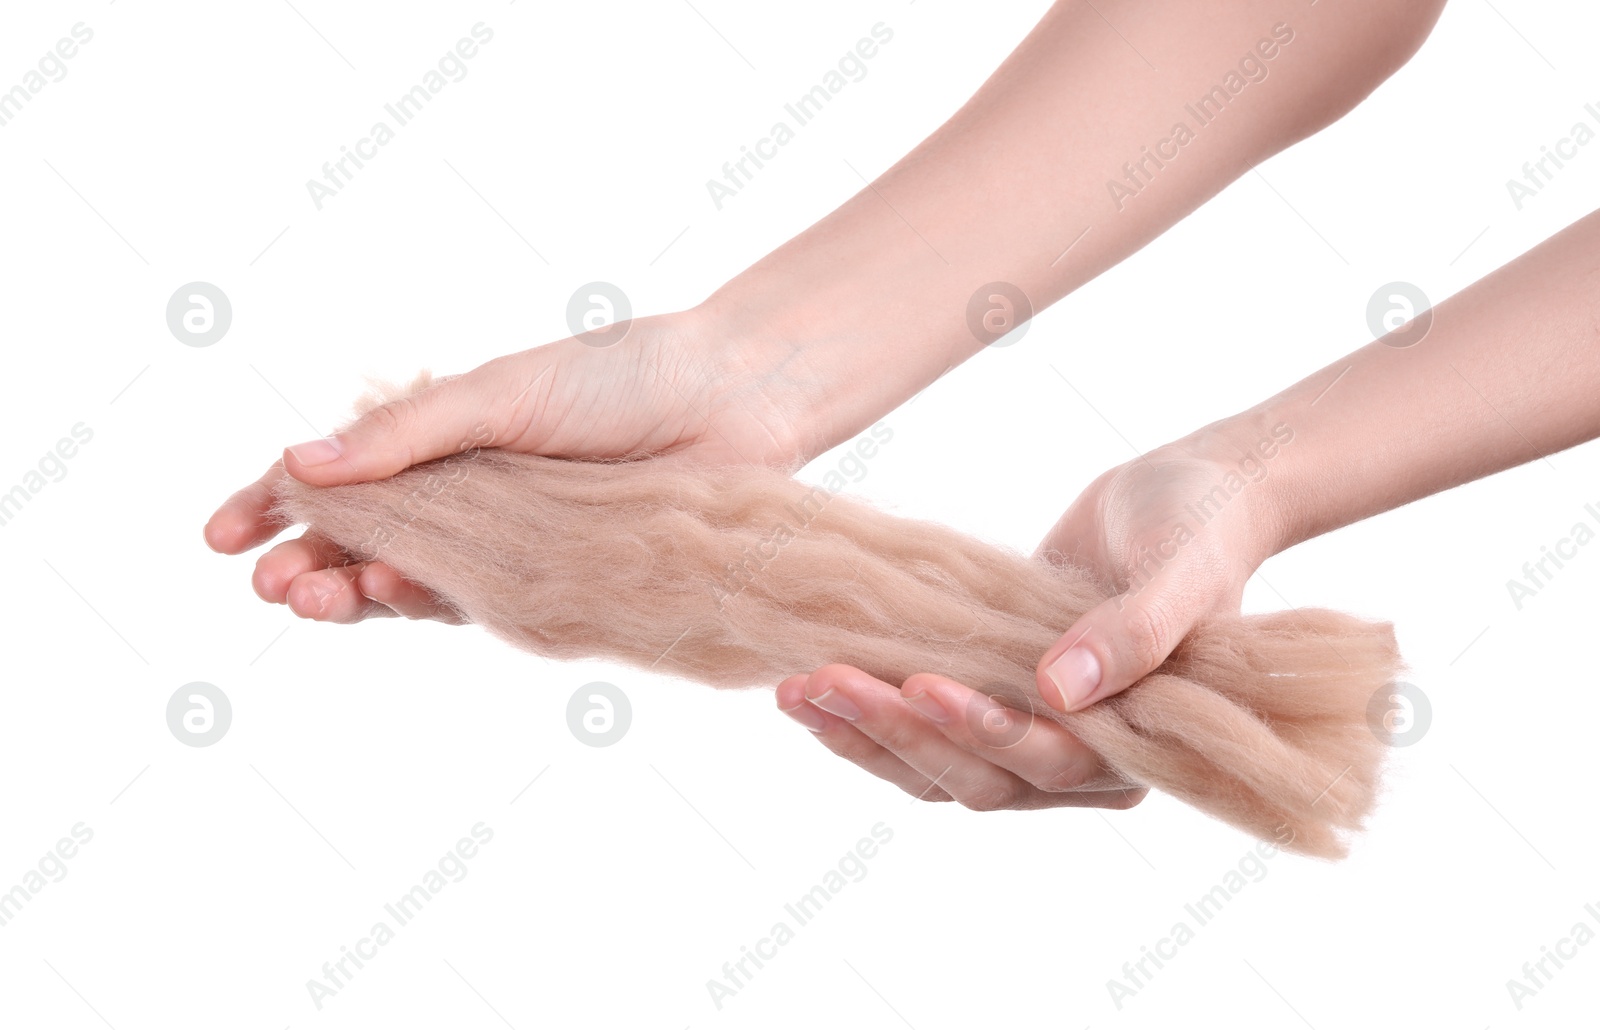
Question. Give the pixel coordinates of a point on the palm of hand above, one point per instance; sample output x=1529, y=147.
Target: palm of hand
x=1173, y=535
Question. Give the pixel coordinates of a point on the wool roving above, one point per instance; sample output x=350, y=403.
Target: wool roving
x=742, y=576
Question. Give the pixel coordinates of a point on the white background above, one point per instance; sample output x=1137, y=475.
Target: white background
x=220, y=879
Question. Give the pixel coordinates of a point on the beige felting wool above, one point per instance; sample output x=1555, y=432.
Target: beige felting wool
x=740, y=577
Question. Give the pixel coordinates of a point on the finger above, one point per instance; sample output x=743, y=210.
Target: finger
x=383, y=584
x=1040, y=752
x=1116, y=644
x=331, y=595
x=849, y=743
x=277, y=568
x=242, y=522
x=877, y=710
x=450, y=416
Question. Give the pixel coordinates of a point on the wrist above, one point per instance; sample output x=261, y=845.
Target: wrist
x=1255, y=456
x=836, y=342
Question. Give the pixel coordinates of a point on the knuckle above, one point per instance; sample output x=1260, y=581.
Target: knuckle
x=920, y=683
x=1146, y=633
x=852, y=748
x=394, y=417
x=891, y=733
x=992, y=797
x=514, y=392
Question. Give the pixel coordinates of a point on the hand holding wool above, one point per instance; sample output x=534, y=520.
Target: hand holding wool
x=696, y=382
x=1258, y=720
x=1179, y=532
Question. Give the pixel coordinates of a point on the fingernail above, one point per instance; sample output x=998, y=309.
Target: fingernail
x=928, y=706
x=1076, y=675
x=834, y=701
x=317, y=452
x=806, y=716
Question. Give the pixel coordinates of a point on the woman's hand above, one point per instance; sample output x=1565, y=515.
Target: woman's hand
x=1177, y=532
x=664, y=387
x=940, y=741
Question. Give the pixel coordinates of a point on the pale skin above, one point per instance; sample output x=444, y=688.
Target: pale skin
x=1508, y=372
x=819, y=339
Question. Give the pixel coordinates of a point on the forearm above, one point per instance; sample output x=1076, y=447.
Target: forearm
x=1066, y=161
x=1507, y=372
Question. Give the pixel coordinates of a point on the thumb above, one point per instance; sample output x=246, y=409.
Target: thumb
x=1114, y=645
x=448, y=417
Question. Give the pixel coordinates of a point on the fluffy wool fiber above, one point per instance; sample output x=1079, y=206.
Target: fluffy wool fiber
x=740, y=577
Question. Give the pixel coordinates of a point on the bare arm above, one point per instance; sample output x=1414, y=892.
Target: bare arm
x=1503, y=373
x=1066, y=161
x=1507, y=371
x=1109, y=123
